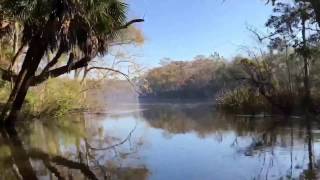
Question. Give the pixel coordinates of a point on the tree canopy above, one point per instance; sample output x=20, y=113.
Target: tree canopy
x=60, y=27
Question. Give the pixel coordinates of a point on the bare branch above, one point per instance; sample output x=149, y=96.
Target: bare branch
x=109, y=69
x=115, y=145
x=119, y=72
x=259, y=36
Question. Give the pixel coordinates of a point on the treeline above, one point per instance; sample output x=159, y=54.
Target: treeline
x=202, y=77
x=268, y=80
x=282, y=76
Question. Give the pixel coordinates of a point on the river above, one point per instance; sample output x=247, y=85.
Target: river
x=162, y=141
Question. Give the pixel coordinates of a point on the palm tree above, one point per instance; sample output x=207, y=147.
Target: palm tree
x=59, y=26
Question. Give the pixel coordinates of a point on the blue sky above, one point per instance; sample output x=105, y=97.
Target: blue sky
x=182, y=29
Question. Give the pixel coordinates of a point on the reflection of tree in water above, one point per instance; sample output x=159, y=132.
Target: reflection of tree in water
x=178, y=120
x=262, y=138
x=203, y=120
x=288, y=135
x=53, y=150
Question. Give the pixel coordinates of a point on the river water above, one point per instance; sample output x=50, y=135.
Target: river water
x=161, y=141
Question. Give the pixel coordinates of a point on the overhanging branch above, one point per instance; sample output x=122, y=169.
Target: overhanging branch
x=130, y=23
x=60, y=71
x=116, y=71
x=10, y=76
x=54, y=61
x=109, y=69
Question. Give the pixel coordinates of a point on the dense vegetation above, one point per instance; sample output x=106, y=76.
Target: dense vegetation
x=200, y=78
x=73, y=32
x=235, y=84
x=46, y=45
x=47, y=39
x=284, y=75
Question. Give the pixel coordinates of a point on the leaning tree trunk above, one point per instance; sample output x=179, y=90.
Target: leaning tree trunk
x=30, y=65
x=18, y=154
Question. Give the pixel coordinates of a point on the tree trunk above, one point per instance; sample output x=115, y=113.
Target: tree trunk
x=305, y=56
x=85, y=73
x=311, y=163
x=289, y=72
x=19, y=155
x=30, y=65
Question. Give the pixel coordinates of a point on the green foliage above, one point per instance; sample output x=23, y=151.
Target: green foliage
x=55, y=98
x=242, y=99
x=95, y=20
x=81, y=30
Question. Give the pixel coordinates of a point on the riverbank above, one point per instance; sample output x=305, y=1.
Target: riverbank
x=54, y=98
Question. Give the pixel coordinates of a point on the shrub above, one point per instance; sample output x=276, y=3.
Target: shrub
x=55, y=98
x=241, y=99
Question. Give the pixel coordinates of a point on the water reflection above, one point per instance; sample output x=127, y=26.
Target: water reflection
x=62, y=150
x=284, y=148
x=161, y=141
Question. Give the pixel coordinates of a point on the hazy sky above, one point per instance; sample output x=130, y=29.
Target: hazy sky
x=182, y=29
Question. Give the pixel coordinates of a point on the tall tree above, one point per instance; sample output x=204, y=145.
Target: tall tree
x=59, y=26
x=297, y=22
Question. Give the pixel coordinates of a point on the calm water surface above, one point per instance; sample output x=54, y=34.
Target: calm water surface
x=161, y=141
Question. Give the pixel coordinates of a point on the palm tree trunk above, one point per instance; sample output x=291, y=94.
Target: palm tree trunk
x=30, y=65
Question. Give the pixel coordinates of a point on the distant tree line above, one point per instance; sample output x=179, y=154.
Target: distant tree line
x=264, y=79
x=283, y=75
x=202, y=77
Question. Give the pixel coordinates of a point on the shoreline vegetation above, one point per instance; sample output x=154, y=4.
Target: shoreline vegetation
x=62, y=96
x=233, y=84
x=281, y=75
x=55, y=98
x=43, y=40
